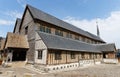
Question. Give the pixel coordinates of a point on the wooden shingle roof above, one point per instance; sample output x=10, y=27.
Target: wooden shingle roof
x=16, y=41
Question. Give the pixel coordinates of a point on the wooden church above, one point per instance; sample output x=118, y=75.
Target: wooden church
x=53, y=44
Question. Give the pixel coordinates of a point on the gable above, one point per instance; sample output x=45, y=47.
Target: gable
x=26, y=20
x=39, y=44
x=17, y=26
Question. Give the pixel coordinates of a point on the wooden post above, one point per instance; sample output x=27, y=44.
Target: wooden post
x=94, y=58
x=78, y=59
x=66, y=57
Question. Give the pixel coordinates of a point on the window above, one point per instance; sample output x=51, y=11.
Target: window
x=83, y=39
x=87, y=40
x=48, y=30
x=69, y=35
x=26, y=30
x=42, y=28
x=58, y=32
x=58, y=55
x=83, y=55
x=45, y=29
x=40, y=54
x=72, y=55
x=95, y=56
x=76, y=37
x=61, y=33
x=91, y=57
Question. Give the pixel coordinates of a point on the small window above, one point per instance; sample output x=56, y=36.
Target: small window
x=76, y=37
x=83, y=39
x=58, y=55
x=48, y=30
x=95, y=56
x=72, y=55
x=61, y=33
x=58, y=32
x=82, y=55
x=45, y=29
x=40, y=54
x=26, y=30
x=90, y=56
x=42, y=28
x=69, y=35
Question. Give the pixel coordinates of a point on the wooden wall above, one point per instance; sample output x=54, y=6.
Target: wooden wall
x=66, y=57
x=28, y=21
x=111, y=55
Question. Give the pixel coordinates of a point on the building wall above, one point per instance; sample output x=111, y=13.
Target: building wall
x=69, y=60
x=28, y=21
x=111, y=55
x=39, y=45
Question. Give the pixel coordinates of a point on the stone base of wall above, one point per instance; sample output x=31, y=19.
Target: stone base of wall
x=113, y=61
x=66, y=67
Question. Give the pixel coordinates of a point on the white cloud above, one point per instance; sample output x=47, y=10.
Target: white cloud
x=6, y=22
x=22, y=3
x=109, y=27
x=13, y=14
x=11, y=17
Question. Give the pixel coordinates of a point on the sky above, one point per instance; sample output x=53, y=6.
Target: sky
x=81, y=13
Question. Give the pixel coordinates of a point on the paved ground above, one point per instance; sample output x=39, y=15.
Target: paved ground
x=102, y=70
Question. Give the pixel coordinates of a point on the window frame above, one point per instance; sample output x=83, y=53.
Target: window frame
x=72, y=54
x=40, y=54
x=26, y=30
x=76, y=37
x=83, y=55
x=58, y=32
x=58, y=55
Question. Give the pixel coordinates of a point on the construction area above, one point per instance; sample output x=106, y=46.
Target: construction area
x=101, y=70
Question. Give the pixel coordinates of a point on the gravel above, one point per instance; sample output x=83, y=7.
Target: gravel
x=102, y=70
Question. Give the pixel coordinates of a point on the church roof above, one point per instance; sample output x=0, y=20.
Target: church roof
x=42, y=16
x=62, y=43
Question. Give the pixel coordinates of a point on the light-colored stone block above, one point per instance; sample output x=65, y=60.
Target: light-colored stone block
x=29, y=75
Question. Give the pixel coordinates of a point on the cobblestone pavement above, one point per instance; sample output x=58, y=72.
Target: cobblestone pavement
x=102, y=70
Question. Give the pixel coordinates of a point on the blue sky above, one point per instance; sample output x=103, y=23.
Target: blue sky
x=81, y=13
